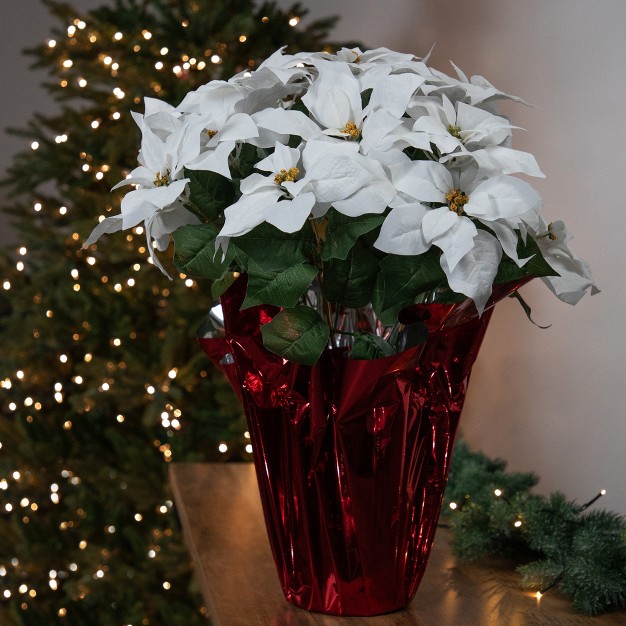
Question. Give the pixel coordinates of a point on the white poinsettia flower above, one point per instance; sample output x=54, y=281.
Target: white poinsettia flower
x=334, y=100
x=459, y=126
x=277, y=198
x=389, y=92
x=339, y=176
x=285, y=68
x=499, y=202
x=159, y=186
x=574, y=274
x=473, y=275
x=475, y=90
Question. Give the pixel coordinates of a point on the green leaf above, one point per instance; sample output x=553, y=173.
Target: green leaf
x=194, y=251
x=246, y=159
x=508, y=271
x=270, y=248
x=297, y=334
x=210, y=193
x=343, y=232
x=402, y=279
x=280, y=287
x=219, y=286
x=368, y=346
x=351, y=281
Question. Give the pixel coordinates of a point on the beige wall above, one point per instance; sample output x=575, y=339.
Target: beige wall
x=550, y=401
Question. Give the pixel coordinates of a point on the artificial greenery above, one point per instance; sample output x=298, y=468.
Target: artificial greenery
x=560, y=543
x=101, y=379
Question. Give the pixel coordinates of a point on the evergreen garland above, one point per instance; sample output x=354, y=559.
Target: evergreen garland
x=559, y=542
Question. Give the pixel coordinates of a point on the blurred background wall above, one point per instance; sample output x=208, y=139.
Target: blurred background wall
x=549, y=401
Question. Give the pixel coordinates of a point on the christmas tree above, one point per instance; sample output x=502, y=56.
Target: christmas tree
x=102, y=383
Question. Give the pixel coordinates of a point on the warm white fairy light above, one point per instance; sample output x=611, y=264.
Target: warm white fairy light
x=497, y=492
x=115, y=66
x=517, y=523
x=249, y=448
x=80, y=24
x=37, y=206
x=120, y=418
x=151, y=554
x=118, y=93
x=294, y=21
x=71, y=30
x=34, y=145
x=116, y=115
x=150, y=389
x=82, y=82
x=172, y=373
x=216, y=58
x=62, y=210
x=118, y=36
x=99, y=176
x=68, y=63
x=63, y=358
x=166, y=585
x=95, y=124
x=86, y=167
x=138, y=517
x=453, y=505
x=52, y=43
x=6, y=285
x=158, y=65
x=8, y=507
x=222, y=448
x=201, y=65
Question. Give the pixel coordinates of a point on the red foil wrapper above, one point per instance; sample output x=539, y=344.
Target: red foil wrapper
x=352, y=456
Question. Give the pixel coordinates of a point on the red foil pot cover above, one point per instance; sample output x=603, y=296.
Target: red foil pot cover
x=351, y=455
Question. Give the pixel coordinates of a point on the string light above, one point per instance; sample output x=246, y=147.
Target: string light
x=34, y=145
x=294, y=21
x=118, y=36
x=52, y=43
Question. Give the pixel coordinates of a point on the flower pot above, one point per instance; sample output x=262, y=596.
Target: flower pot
x=351, y=455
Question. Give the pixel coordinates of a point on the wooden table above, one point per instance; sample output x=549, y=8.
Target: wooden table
x=220, y=511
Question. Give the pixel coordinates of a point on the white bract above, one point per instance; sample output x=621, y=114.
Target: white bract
x=364, y=133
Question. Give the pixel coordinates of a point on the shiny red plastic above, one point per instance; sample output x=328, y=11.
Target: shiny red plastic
x=352, y=456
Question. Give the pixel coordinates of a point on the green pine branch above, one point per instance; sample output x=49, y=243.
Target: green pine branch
x=560, y=543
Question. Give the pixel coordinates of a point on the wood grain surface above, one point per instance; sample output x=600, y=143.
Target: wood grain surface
x=221, y=514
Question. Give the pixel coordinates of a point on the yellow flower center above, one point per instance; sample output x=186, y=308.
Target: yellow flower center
x=455, y=131
x=162, y=180
x=286, y=175
x=457, y=199
x=211, y=133
x=551, y=235
x=351, y=129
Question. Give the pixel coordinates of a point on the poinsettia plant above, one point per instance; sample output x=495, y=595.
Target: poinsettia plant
x=342, y=181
